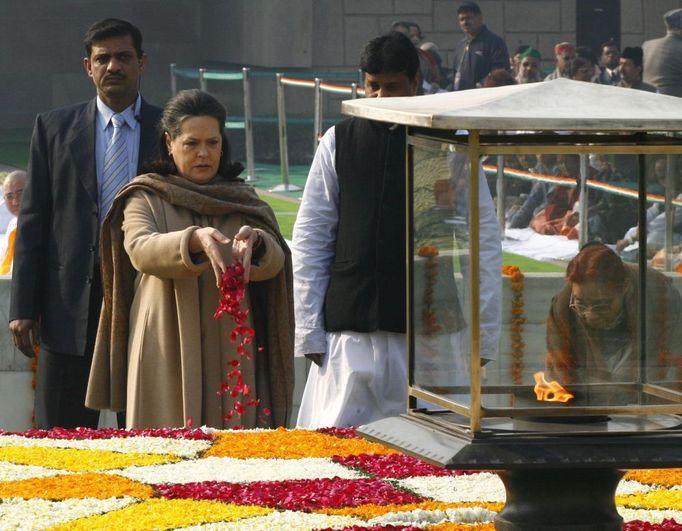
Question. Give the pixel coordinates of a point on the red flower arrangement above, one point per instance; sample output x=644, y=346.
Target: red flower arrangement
x=396, y=466
x=517, y=321
x=293, y=495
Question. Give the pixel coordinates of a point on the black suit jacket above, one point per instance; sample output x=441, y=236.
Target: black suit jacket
x=56, y=246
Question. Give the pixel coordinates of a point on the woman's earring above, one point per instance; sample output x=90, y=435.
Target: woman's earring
x=170, y=154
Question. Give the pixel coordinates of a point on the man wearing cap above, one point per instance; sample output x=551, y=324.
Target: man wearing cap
x=564, y=53
x=631, y=70
x=480, y=51
x=529, y=66
x=663, y=57
x=610, y=55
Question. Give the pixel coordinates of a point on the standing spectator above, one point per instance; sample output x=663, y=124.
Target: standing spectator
x=631, y=70
x=663, y=57
x=428, y=70
x=529, y=66
x=479, y=52
x=430, y=49
x=12, y=191
x=80, y=155
x=349, y=257
x=564, y=53
x=610, y=56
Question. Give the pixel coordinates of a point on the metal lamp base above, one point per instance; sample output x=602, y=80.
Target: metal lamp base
x=560, y=500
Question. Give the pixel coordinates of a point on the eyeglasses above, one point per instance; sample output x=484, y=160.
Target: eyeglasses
x=13, y=195
x=582, y=308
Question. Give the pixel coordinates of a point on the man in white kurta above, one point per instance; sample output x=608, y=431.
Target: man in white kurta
x=358, y=376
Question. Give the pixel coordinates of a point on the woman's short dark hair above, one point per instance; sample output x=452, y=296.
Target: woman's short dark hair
x=112, y=27
x=188, y=104
x=576, y=65
x=596, y=263
x=393, y=52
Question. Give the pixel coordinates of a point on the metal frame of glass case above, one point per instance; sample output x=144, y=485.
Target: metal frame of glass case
x=470, y=417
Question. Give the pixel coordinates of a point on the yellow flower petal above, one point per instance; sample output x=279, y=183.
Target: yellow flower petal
x=289, y=444
x=164, y=514
x=370, y=510
x=76, y=460
x=655, y=499
x=101, y=486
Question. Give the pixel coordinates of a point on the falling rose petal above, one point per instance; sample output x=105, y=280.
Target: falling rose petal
x=233, y=291
x=189, y=422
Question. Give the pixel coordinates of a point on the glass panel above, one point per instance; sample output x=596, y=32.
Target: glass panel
x=440, y=273
x=567, y=318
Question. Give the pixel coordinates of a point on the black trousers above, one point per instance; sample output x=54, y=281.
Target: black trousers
x=62, y=378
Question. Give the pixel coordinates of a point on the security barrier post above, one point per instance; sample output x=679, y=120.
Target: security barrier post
x=283, y=142
x=353, y=91
x=202, y=79
x=317, y=120
x=248, y=126
x=174, y=82
x=501, y=193
x=583, y=200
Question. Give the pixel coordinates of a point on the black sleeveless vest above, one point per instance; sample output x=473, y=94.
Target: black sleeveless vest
x=367, y=286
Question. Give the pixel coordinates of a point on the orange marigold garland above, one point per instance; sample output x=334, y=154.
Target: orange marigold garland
x=429, y=317
x=517, y=321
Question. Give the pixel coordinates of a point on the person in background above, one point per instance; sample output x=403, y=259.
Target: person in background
x=480, y=51
x=529, y=66
x=581, y=69
x=663, y=57
x=631, y=67
x=168, y=239
x=12, y=191
x=428, y=69
x=610, y=60
x=515, y=60
x=79, y=157
x=593, y=325
x=564, y=54
x=349, y=254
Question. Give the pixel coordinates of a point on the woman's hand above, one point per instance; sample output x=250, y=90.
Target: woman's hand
x=242, y=247
x=208, y=240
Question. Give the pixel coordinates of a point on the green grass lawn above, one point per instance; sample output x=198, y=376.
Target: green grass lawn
x=286, y=215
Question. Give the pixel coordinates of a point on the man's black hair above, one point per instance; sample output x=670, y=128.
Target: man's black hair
x=634, y=53
x=112, y=27
x=393, y=52
x=608, y=44
x=469, y=7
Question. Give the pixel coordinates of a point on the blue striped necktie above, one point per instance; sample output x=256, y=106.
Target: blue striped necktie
x=115, y=172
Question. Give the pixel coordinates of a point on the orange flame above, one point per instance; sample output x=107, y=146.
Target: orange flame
x=549, y=391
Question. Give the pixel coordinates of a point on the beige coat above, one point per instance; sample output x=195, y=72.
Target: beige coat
x=177, y=353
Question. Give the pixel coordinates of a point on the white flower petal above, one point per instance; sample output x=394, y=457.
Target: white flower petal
x=238, y=470
x=654, y=516
x=482, y=486
x=13, y=472
x=289, y=520
x=16, y=513
x=150, y=445
x=628, y=486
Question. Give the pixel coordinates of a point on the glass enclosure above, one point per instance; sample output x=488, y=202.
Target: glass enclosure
x=548, y=327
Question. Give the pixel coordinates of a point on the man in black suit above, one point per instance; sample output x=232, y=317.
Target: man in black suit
x=56, y=286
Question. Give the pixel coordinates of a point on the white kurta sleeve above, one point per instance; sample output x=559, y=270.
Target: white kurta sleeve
x=490, y=247
x=313, y=248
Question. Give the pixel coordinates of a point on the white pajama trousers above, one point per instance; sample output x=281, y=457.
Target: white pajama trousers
x=363, y=378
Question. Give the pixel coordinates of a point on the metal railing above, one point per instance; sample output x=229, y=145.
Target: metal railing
x=319, y=87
